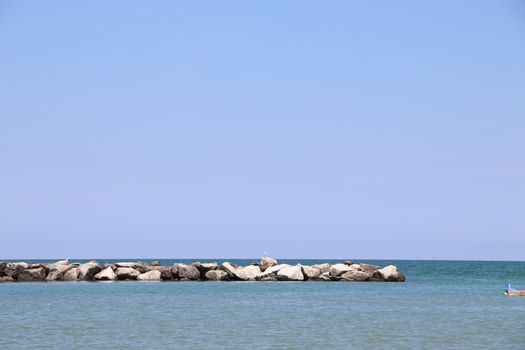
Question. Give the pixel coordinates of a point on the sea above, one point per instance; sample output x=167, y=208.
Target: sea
x=442, y=305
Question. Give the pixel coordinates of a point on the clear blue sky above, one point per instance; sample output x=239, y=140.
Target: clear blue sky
x=313, y=129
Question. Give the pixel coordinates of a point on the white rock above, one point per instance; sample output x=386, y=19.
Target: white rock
x=290, y=273
x=389, y=273
x=247, y=273
x=267, y=262
x=310, y=271
x=153, y=275
x=106, y=275
x=338, y=269
x=88, y=270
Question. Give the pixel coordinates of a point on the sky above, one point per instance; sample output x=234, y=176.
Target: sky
x=224, y=129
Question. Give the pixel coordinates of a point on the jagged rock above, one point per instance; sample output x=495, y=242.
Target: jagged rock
x=290, y=273
x=229, y=268
x=355, y=275
x=310, y=272
x=136, y=265
x=165, y=271
x=56, y=265
x=175, y=271
x=13, y=270
x=348, y=262
x=338, y=269
x=3, y=265
x=88, y=270
x=71, y=274
x=6, y=279
x=266, y=262
x=275, y=269
x=356, y=267
x=153, y=275
x=268, y=278
x=323, y=267
x=324, y=277
x=58, y=272
x=126, y=273
x=188, y=272
x=106, y=275
x=216, y=275
x=369, y=268
x=389, y=273
x=204, y=267
x=247, y=273
x=38, y=274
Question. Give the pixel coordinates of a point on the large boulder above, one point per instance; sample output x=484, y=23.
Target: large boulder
x=126, y=273
x=369, y=268
x=310, y=272
x=153, y=275
x=247, y=273
x=57, y=265
x=322, y=267
x=88, y=270
x=229, y=268
x=188, y=272
x=13, y=270
x=6, y=279
x=337, y=270
x=29, y=275
x=266, y=262
x=3, y=265
x=57, y=272
x=355, y=275
x=274, y=269
x=390, y=274
x=290, y=273
x=165, y=271
x=136, y=265
x=71, y=274
x=106, y=275
x=205, y=267
x=216, y=275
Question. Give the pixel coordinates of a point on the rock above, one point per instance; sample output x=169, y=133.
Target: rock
x=6, y=279
x=268, y=278
x=155, y=263
x=106, y=275
x=290, y=273
x=3, y=265
x=204, y=267
x=165, y=271
x=348, y=262
x=175, y=271
x=324, y=277
x=229, y=268
x=13, y=270
x=136, y=265
x=356, y=267
x=266, y=262
x=188, y=271
x=56, y=265
x=390, y=274
x=153, y=275
x=247, y=273
x=323, y=267
x=355, y=275
x=126, y=273
x=275, y=269
x=88, y=270
x=338, y=269
x=58, y=272
x=216, y=275
x=369, y=268
x=71, y=274
x=310, y=272
x=38, y=274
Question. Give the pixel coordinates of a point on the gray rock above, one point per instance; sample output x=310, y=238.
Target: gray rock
x=188, y=272
x=229, y=268
x=204, y=267
x=155, y=263
x=126, y=273
x=71, y=274
x=348, y=262
x=38, y=274
x=275, y=269
x=355, y=275
x=216, y=275
x=106, y=275
x=323, y=267
x=310, y=272
x=153, y=275
x=338, y=269
x=268, y=278
x=247, y=273
x=369, y=268
x=6, y=279
x=58, y=272
x=136, y=265
x=390, y=274
x=56, y=265
x=3, y=265
x=290, y=273
x=13, y=270
x=266, y=262
x=165, y=271
x=324, y=277
x=88, y=270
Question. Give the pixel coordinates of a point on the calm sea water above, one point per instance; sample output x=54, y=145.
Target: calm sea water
x=443, y=305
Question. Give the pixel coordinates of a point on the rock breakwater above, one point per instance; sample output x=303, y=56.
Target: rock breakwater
x=267, y=269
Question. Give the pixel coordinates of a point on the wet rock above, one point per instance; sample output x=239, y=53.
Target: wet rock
x=216, y=275
x=290, y=273
x=153, y=275
x=88, y=270
x=29, y=275
x=126, y=273
x=266, y=262
x=106, y=275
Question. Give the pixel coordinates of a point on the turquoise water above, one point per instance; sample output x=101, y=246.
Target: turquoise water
x=443, y=304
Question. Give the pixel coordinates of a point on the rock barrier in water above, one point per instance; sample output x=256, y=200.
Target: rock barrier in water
x=267, y=269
